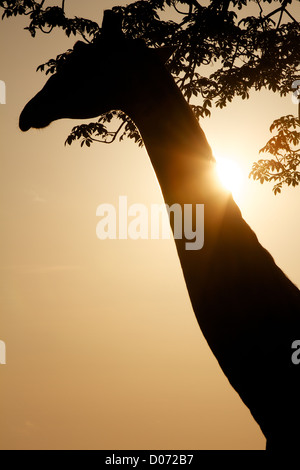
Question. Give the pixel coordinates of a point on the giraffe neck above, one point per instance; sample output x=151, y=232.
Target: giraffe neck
x=232, y=280
x=176, y=144
x=181, y=158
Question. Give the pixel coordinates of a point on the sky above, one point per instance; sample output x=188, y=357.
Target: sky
x=103, y=349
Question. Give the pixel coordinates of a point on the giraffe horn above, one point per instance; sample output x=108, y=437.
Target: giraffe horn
x=111, y=24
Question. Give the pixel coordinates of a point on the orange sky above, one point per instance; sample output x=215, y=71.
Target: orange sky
x=103, y=350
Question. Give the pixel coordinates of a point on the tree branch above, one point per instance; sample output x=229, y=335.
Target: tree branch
x=181, y=12
x=260, y=8
x=46, y=32
x=113, y=134
x=288, y=13
x=280, y=18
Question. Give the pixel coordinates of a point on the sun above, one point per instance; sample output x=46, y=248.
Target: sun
x=230, y=175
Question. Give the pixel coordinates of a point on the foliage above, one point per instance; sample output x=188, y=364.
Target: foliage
x=283, y=146
x=224, y=49
x=85, y=132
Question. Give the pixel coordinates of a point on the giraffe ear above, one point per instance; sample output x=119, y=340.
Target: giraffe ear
x=112, y=25
x=164, y=53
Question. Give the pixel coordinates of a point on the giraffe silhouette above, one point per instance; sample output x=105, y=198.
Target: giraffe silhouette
x=246, y=307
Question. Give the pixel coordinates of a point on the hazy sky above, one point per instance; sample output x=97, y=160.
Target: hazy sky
x=103, y=350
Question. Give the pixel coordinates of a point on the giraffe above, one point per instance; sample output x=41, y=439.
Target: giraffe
x=246, y=307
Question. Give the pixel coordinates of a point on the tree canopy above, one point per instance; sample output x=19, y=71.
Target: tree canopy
x=247, y=44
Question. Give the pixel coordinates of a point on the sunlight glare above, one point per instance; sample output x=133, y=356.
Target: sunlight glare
x=230, y=175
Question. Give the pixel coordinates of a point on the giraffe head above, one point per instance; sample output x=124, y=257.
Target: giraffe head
x=94, y=79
